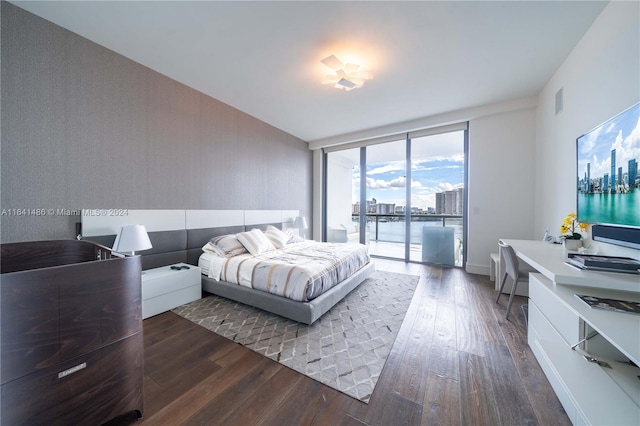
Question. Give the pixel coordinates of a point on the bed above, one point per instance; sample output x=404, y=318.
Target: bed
x=299, y=280
x=181, y=240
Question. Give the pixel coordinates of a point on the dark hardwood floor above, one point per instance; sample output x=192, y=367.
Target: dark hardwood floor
x=456, y=361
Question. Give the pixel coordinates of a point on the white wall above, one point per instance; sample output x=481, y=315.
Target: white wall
x=339, y=176
x=501, y=183
x=600, y=78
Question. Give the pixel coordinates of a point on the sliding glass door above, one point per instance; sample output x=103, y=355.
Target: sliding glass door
x=404, y=197
x=386, y=198
x=438, y=198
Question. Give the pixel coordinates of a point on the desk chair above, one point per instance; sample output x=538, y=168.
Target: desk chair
x=511, y=269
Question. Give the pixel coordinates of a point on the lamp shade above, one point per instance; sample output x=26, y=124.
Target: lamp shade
x=132, y=238
x=300, y=222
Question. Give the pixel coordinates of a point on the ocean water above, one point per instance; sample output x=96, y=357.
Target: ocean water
x=620, y=209
x=395, y=231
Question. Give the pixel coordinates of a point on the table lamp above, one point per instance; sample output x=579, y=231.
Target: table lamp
x=301, y=223
x=132, y=238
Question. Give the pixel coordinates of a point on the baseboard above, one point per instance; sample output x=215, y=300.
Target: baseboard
x=477, y=269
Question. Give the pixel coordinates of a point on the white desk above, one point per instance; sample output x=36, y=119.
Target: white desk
x=590, y=393
x=548, y=259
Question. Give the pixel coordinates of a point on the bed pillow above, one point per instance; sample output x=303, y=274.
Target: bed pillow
x=255, y=241
x=225, y=246
x=277, y=237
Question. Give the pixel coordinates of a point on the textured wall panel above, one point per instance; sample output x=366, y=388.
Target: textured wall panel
x=85, y=128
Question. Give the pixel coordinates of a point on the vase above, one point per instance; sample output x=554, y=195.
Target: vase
x=572, y=244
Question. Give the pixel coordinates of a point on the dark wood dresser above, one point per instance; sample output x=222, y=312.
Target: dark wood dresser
x=71, y=334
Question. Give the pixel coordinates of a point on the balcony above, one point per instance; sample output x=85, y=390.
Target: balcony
x=387, y=236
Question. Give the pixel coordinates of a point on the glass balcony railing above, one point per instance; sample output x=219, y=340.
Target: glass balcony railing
x=387, y=234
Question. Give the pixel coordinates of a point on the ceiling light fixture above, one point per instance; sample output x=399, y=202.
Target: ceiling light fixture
x=346, y=76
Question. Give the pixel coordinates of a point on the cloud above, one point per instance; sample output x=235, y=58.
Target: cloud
x=396, y=183
x=396, y=166
x=598, y=144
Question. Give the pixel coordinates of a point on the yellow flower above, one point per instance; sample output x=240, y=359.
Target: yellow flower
x=570, y=227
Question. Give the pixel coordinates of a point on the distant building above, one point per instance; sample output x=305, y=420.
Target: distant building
x=371, y=206
x=450, y=202
x=633, y=173
x=460, y=201
x=613, y=170
x=620, y=176
x=440, y=197
x=385, y=208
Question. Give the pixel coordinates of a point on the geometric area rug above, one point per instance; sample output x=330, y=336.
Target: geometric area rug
x=345, y=349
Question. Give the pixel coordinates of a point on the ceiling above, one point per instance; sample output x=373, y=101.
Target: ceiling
x=263, y=57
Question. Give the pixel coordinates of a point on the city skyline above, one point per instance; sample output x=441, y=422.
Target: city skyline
x=619, y=139
x=447, y=203
x=386, y=181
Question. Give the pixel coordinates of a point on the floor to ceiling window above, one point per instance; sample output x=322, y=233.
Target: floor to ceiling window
x=386, y=195
x=404, y=196
x=438, y=198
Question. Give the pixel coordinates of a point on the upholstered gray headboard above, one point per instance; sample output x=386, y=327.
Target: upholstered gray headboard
x=174, y=245
x=169, y=247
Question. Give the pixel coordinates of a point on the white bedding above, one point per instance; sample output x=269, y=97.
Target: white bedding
x=299, y=271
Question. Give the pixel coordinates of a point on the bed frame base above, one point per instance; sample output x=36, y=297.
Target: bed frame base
x=304, y=312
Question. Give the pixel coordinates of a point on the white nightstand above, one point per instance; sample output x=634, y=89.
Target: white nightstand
x=165, y=288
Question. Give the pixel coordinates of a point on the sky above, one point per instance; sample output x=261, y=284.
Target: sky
x=621, y=133
x=437, y=166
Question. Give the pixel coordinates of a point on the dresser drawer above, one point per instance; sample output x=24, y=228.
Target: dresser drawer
x=164, y=280
x=88, y=389
x=164, y=288
x=561, y=317
x=540, y=336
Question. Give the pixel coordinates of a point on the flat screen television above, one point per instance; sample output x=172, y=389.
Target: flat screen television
x=608, y=193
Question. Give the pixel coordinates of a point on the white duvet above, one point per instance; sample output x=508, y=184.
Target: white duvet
x=299, y=271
